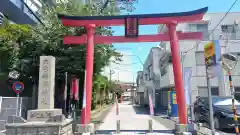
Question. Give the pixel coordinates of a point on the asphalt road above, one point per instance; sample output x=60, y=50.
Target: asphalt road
x=223, y=132
x=171, y=124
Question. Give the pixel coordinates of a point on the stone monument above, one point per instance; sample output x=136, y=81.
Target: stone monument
x=45, y=120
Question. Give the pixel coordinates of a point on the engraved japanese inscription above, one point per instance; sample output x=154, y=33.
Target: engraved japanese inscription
x=45, y=83
x=45, y=114
x=131, y=27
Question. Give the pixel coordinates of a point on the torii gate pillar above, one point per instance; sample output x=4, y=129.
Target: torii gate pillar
x=86, y=110
x=176, y=62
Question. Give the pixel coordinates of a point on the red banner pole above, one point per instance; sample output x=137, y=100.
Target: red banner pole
x=182, y=113
x=117, y=110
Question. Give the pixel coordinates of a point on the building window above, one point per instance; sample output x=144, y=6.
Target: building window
x=164, y=71
x=146, y=77
x=198, y=27
x=228, y=32
x=199, y=56
x=150, y=70
x=228, y=28
x=164, y=67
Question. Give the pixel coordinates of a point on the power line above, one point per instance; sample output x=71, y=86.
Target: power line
x=215, y=26
x=130, y=63
x=135, y=56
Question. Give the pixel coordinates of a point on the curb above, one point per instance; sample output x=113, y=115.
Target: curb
x=98, y=112
x=103, y=114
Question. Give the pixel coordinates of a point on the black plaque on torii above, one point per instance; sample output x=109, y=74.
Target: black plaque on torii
x=131, y=27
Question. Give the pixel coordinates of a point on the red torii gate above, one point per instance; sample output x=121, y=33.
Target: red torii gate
x=132, y=23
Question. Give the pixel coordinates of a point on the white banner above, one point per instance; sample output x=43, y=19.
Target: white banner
x=84, y=92
x=187, y=84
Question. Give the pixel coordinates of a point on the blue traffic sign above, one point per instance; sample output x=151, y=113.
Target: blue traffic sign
x=18, y=87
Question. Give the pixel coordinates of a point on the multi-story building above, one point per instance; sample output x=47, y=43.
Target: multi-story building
x=27, y=11
x=226, y=31
x=150, y=82
x=21, y=11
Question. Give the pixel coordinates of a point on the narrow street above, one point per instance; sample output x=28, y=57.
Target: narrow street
x=132, y=121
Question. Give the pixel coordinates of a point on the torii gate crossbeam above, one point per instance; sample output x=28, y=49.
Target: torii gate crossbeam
x=132, y=23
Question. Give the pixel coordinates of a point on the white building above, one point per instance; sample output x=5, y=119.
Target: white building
x=228, y=34
x=149, y=79
x=159, y=65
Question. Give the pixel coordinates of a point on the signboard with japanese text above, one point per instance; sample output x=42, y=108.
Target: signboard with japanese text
x=131, y=27
x=212, y=55
x=174, y=99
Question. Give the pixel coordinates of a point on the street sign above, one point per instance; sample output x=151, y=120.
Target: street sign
x=212, y=54
x=13, y=74
x=18, y=87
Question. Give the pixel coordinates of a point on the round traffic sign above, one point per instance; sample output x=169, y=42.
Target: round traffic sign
x=18, y=87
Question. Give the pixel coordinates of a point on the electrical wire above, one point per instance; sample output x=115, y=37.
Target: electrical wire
x=215, y=26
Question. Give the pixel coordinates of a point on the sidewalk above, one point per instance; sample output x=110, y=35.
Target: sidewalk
x=132, y=121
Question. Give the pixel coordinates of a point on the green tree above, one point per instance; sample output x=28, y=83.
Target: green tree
x=22, y=45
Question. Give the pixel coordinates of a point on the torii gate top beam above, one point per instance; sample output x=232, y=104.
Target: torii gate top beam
x=144, y=19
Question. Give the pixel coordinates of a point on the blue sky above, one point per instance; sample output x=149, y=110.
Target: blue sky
x=164, y=6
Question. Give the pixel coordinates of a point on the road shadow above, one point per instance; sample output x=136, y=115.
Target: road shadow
x=229, y=130
x=225, y=131
x=133, y=131
x=140, y=110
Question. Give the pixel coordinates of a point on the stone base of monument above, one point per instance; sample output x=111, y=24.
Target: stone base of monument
x=44, y=122
x=88, y=128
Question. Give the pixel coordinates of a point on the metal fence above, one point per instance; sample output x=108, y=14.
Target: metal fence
x=10, y=106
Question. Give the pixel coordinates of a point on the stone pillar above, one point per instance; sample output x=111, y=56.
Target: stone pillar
x=46, y=90
x=45, y=119
x=46, y=82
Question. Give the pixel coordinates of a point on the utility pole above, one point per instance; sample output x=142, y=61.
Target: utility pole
x=132, y=92
x=210, y=102
x=110, y=74
x=221, y=78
